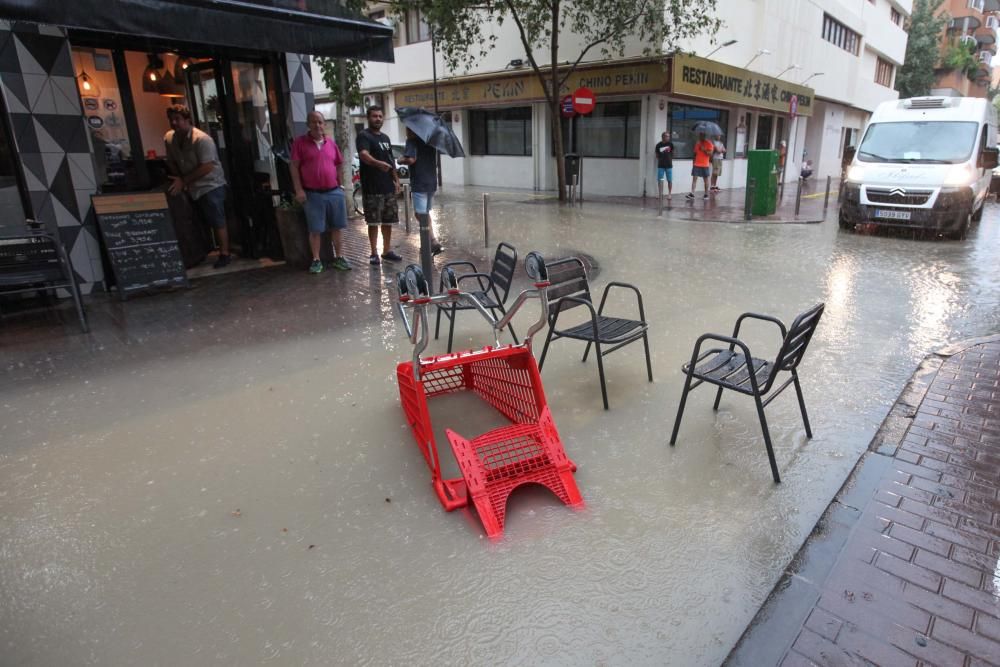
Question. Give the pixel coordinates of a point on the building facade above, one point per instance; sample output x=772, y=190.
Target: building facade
x=972, y=30
x=840, y=60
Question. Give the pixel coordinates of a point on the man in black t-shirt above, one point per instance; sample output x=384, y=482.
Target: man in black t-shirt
x=664, y=152
x=379, y=185
x=422, y=160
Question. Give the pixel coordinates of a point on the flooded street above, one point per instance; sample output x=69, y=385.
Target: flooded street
x=225, y=475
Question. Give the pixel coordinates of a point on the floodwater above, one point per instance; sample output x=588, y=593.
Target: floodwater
x=235, y=483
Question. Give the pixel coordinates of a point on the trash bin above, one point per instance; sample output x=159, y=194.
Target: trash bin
x=572, y=168
x=762, y=171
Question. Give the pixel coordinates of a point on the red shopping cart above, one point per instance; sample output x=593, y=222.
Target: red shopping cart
x=493, y=464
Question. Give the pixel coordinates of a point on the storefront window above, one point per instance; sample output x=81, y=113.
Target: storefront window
x=611, y=130
x=683, y=118
x=102, y=106
x=501, y=131
x=742, y=132
x=253, y=120
x=764, y=126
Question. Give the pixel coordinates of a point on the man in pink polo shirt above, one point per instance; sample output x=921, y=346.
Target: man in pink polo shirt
x=317, y=187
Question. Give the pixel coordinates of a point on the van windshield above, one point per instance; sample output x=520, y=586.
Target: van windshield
x=930, y=142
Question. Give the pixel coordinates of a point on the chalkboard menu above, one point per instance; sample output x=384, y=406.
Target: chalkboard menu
x=139, y=235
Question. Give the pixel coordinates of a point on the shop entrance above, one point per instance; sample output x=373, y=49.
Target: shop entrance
x=230, y=101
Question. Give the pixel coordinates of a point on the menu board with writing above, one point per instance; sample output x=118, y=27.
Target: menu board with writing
x=139, y=235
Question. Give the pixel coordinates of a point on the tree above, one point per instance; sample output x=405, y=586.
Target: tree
x=342, y=77
x=961, y=57
x=916, y=74
x=463, y=31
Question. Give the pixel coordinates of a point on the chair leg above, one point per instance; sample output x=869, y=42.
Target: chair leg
x=718, y=397
x=437, y=324
x=78, y=301
x=600, y=371
x=586, y=351
x=767, y=440
x=451, y=327
x=680, y=409
x=649, y=365
x=545, y=349
x=802, y=404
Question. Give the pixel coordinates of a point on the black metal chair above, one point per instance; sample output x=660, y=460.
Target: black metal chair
x=493, y=288
x=36, y=261
x=568, y=288
x=743, y=373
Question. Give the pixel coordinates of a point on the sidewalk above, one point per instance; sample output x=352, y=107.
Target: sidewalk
x=729, y=205
x=902, y=569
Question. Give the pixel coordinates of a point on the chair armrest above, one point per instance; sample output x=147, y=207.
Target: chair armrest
x=756, y=316
x=696, y=356
x=638, y=296
x=452, y=265
x=589, y=305
x=480, y=277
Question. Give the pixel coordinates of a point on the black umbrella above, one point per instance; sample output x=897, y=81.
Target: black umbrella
x=434, y=131
x=708, y=127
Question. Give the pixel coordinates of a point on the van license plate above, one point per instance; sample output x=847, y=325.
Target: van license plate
x=892, y=214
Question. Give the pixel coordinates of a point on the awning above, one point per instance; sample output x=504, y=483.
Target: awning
x=313, y=27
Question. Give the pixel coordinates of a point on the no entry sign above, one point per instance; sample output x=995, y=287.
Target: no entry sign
x=583, y=100
x=566, y=107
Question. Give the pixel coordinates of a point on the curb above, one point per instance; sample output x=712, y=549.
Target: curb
x=776, y=624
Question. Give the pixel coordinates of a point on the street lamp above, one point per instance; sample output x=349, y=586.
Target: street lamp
x=720, y=46
x=811, y=76
x=760, y=52
x=788, y=68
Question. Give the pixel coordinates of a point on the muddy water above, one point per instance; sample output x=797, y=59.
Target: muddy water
x=263, y=503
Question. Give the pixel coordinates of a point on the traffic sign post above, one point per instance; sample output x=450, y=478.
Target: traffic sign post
x=566, y=107
x=793, y=106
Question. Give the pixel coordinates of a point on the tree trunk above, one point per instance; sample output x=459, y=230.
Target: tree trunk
x=553, y=100
x=340, y=129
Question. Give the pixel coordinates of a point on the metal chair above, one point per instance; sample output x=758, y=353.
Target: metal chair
x=492, y=293
x=568, y=289
x=743, y=373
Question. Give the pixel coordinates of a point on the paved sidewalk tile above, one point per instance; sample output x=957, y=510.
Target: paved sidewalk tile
x=917, y=581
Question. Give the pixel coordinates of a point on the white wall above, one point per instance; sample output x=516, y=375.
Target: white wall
x=501, y=170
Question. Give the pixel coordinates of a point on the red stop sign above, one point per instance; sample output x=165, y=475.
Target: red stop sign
x=583, y=100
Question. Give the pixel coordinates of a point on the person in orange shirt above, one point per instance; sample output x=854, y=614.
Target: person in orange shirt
x=702, y=164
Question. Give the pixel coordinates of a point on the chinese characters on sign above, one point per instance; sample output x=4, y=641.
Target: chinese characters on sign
x=707, y=79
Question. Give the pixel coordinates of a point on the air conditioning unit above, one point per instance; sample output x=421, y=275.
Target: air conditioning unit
x=992, y=22
x=926, y=103
x=985, y=57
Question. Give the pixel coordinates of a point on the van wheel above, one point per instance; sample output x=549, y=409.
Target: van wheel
x=963, y=229
x=978, y=215
x=844, y=222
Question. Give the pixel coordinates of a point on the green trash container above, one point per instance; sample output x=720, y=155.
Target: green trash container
x=762, y=171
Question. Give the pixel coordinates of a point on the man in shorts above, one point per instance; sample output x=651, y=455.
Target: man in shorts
x=315, y=159
x=194, y=167
x=702, y=164
x=422, y=160
x=379, y=185
x=664, y=152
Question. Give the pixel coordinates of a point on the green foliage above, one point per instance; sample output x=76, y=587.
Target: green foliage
x=916, y=74
x=351, y=95
x=961, y=57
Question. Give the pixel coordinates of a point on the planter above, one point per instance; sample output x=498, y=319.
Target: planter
x=295, y=238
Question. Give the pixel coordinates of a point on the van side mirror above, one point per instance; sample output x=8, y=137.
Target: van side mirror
x=988, y=157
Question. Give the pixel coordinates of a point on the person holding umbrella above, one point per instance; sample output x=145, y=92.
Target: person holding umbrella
x=422, y=159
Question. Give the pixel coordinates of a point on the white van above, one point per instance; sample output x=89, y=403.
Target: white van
x=923, y=163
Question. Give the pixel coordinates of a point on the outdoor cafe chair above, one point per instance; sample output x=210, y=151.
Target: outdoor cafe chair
x=569, y=289
x=491, y=289
x=742, y=372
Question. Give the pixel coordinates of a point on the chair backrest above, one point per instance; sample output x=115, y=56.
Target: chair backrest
x=502, y=273
x=797, y=339
x=567, y=277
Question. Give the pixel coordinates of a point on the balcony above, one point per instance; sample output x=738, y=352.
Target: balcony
x=964, y=24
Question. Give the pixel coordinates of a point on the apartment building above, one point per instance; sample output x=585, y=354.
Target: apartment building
x=838, y=58
x=974, y=25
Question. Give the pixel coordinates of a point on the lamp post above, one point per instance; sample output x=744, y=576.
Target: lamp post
x=811, y=76
x=760, y=52
x=786, y=69
x=721, y=46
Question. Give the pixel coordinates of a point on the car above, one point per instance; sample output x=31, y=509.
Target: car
x=401, y=170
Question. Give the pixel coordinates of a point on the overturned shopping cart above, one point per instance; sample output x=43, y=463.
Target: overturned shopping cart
x=493, y=464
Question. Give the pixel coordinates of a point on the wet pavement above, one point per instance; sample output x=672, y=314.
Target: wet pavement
x=224, y=475
x=902, y=568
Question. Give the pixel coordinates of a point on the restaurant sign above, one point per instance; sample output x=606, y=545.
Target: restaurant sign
x=707, y=79
x=640, y=77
